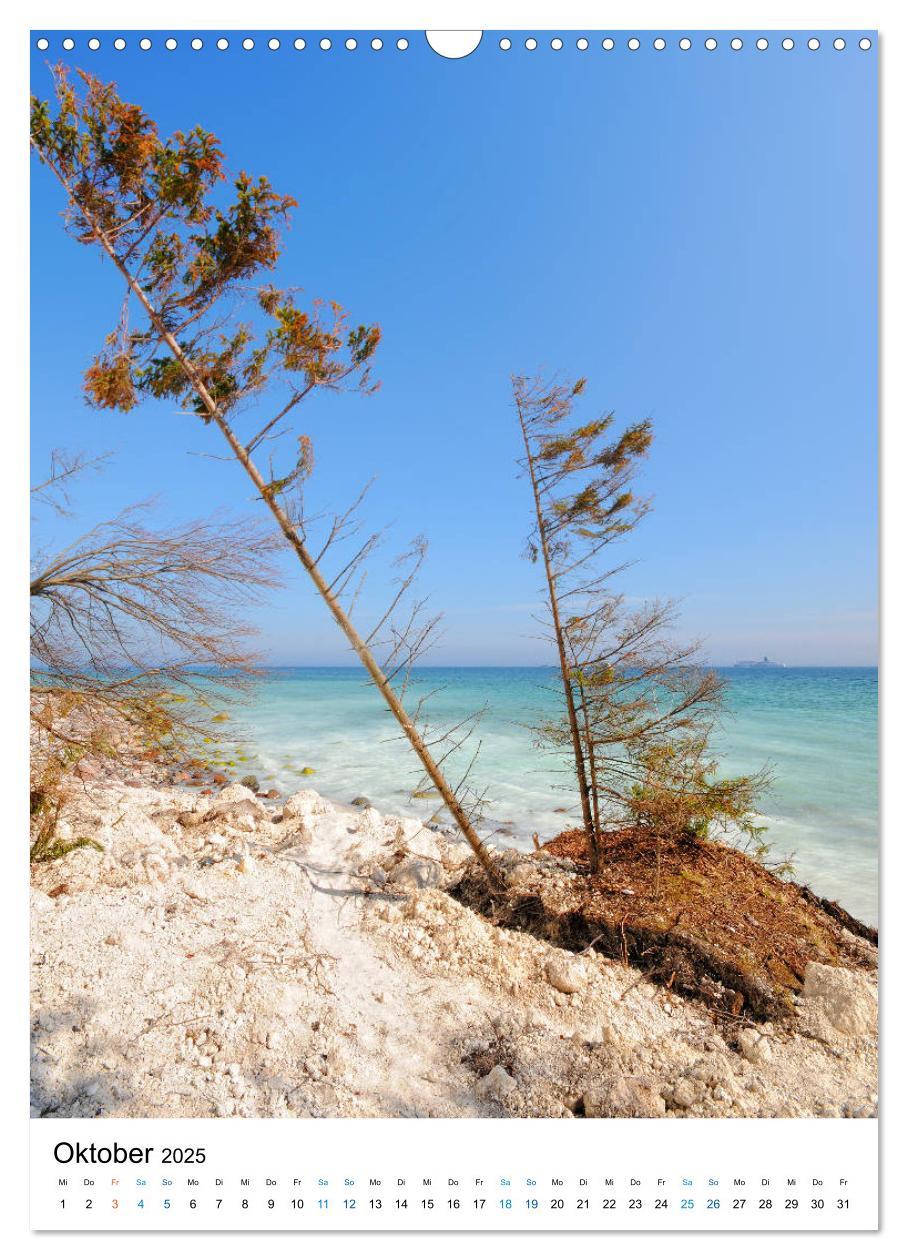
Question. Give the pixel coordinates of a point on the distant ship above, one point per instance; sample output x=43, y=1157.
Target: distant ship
x=766, y=663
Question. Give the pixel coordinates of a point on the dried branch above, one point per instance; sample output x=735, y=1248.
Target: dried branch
x=124, y=595
x=65, y=467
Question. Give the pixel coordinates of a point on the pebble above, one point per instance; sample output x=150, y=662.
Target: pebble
x=608, y=1035
x=497, y=1085
x=685, y=1094
x=755, y=1047
x=567, y=975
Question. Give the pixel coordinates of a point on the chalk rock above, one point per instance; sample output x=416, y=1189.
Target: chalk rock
x=567, y=975
x=755, y=1046
x=234, y=792
x=416, y=872
x=410, y=834
x=506, y=1024
x=628, y=1096
x=191, y=817
x=456, y=852
x=306, y=804
x=130, y=835
x=713, y=1070
x=684, y=1093
x=498, y=1085
x=846, y=998
x=608, y=1035
x=242, y=815
x=370, y=819
x=406, y=831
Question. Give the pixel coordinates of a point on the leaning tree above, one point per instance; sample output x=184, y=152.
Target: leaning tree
x=639, y=711
x=201, y=324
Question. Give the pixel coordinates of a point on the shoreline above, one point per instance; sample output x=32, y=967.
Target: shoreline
x=221, y=959
x=827, y=824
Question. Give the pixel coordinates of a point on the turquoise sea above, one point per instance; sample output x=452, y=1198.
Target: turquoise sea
x=817, y=727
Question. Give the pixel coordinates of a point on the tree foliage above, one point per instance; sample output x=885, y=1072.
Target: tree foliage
x=154, y=202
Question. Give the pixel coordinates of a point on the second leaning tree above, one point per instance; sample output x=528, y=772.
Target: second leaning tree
x=638, y=712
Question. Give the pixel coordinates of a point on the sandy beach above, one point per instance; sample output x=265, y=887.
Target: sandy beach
x=226, y=955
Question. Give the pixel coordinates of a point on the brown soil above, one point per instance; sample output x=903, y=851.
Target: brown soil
x=724, y=929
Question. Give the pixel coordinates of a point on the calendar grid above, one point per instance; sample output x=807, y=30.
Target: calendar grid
x=320, y=1175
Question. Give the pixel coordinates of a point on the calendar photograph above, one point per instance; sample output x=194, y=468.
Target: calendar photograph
x=453, y=589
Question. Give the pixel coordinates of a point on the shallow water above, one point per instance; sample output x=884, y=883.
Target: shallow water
x=818, y=728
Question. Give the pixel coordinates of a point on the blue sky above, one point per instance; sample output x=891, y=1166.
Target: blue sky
x=695, y=232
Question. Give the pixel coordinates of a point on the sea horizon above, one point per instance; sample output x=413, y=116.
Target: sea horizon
x=492, y=665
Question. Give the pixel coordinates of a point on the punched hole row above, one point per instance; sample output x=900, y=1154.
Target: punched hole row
x=736, y=44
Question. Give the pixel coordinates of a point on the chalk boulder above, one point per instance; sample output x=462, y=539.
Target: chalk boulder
x=847, y=999
x=306, y=804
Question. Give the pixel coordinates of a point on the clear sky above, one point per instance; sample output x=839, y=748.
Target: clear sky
x=695, y=232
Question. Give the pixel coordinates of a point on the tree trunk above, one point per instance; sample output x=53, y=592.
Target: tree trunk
x=582, y=780
x=594, y=785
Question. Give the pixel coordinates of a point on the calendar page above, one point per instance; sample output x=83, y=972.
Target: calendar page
x=453, y=697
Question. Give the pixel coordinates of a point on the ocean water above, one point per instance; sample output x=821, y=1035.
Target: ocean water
x=817, y=727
